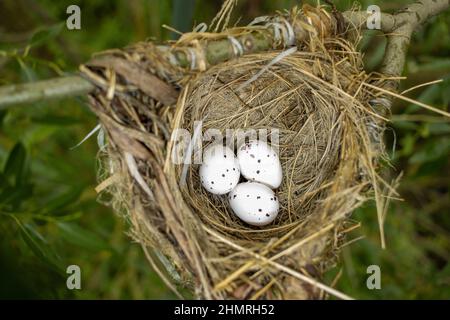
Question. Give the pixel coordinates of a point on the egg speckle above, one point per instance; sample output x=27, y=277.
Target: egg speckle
x=218, y=172
x=259, y=162
x=254, y=203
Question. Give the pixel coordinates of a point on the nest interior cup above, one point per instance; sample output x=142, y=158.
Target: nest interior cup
x=280, y=101
x=329, y=143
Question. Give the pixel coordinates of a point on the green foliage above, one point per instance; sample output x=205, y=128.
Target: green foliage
x=49, y=216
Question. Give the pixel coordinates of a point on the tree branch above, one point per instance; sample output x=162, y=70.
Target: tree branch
x=404, y=24
x=44, y=90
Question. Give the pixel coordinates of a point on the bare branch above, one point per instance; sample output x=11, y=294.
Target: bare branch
x=44, y=90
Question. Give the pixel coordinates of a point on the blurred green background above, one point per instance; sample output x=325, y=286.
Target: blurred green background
x=49, y=216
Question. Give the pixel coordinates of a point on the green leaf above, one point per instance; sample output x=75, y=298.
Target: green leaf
x=13, y=197
x=436, y=64
x=3, y=182
x=36, y=242
x=2, y=116
x=55, y=120
x=439, y=128
x=15, y=167
x=432, y=151
x=38, y=134
x=445, y=90
x=405, y=125
x=424, y=130
x=63, y=200
x=81, y=237
x=45, y=34
x=182, y=15
x=375, y=57
x=408, y=143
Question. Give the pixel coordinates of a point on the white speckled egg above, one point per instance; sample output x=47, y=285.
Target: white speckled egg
x=254, y=203
x=219, y=171
x=260, y=163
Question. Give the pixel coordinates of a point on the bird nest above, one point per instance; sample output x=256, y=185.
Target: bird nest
x=309, y=99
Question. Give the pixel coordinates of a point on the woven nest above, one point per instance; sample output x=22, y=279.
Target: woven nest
x=329, y=146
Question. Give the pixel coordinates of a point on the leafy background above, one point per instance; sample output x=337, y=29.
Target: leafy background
x=49, y=217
